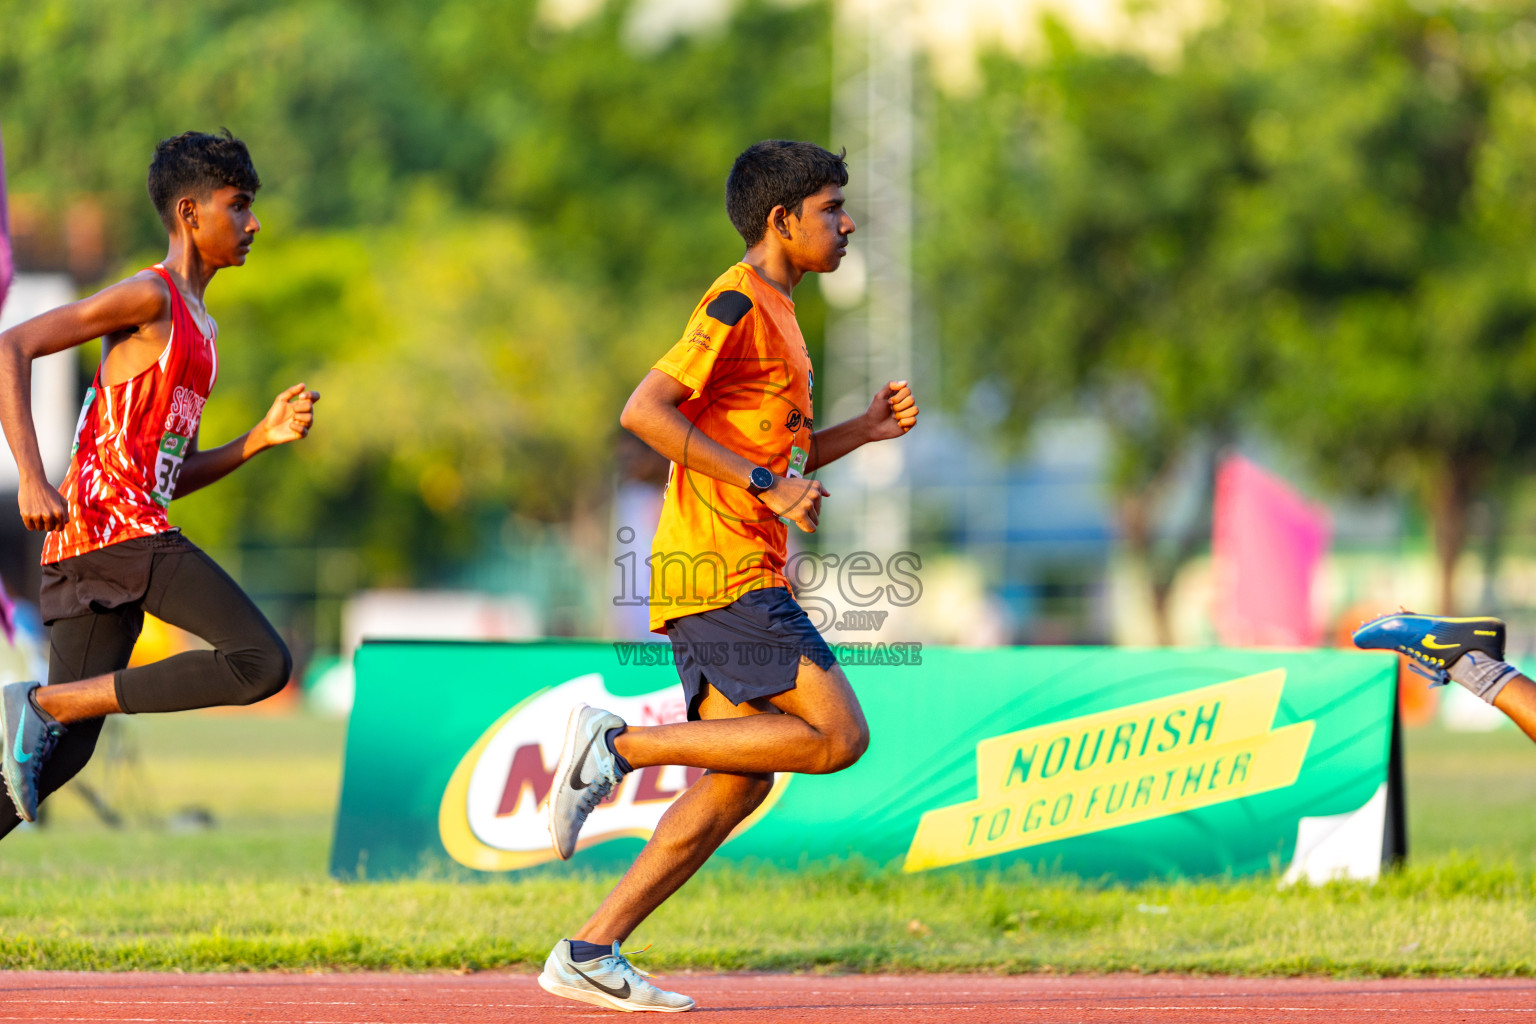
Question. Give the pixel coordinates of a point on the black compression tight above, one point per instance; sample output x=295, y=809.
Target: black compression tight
x=187, y=588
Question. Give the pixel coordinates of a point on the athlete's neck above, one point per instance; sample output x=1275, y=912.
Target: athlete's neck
x=189, y=268
x=775, y=267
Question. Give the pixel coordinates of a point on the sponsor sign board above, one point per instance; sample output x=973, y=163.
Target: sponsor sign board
x=1099, y=761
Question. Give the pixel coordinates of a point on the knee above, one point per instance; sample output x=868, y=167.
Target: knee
x=843, y=745
x=263, y=669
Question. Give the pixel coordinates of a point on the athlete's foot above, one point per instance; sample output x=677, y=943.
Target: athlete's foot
x=586, y=773
x=29, y=733
x=1435, y=642
x=609, y=980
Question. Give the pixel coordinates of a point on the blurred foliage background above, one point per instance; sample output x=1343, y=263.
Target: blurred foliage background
x=479, y=232
x=481, y=226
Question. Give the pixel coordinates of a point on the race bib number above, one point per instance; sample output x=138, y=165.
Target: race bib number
x=173, y=450
x=85, y=408
x=797, y=459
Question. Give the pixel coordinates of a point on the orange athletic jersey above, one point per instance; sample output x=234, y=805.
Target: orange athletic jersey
x=745, y=359
x=131, y=440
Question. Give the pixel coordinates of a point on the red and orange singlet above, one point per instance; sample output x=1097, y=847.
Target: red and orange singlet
x=131, y=440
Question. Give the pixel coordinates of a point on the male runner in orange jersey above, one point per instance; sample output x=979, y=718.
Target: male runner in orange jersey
x=730, y=406
x=111, y=553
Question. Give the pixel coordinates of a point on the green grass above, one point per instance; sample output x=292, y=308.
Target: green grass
x=252, y=893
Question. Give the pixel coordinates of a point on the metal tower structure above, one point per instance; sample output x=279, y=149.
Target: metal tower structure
x=870, y=330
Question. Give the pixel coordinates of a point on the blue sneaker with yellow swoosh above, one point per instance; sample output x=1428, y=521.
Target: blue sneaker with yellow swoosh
x=30, y=734
x=610, y=981
x=1434, y=642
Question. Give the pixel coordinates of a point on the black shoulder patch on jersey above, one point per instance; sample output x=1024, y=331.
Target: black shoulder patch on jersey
x=729, y=307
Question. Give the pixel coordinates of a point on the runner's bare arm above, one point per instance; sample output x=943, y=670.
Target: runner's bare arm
x=290, y=419
x=652, y=415
x=892, y=413
x=123, y=307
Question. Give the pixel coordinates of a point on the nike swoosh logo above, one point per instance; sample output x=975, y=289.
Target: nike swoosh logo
x=22, y=757
x=622, y=992
x=1430, y=642
x=575, y=783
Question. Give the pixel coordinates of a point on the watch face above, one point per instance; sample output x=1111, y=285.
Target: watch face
x=761, y=478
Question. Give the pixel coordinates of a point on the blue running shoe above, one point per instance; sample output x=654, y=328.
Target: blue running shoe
x=1434, y=642
x=30, y=734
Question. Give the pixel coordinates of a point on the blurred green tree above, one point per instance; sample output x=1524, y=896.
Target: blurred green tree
x=1315, y=222
x=1403, y=213
x=1077, y=253
x=479, y=231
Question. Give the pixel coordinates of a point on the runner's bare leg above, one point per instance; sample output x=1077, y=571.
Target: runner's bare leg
x=691, y=830
x=703, y=817
x=74, y=702
x=1518, y=701
x=822, y=730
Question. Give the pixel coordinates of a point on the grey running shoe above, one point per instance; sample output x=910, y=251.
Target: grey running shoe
x=610, y=981
x=584, y=775
x=29, y=733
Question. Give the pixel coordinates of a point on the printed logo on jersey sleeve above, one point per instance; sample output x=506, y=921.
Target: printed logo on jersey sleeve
x=692, y=360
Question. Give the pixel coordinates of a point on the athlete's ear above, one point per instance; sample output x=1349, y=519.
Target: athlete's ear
x=186, y=209
x=778, y=219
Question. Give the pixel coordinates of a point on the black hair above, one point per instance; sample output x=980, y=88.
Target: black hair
x=778, y=173
x=195, y=164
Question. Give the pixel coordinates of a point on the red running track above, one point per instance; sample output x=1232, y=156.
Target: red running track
x=69, y=998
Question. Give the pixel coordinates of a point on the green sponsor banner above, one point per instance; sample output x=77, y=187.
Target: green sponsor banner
x=1098, y=761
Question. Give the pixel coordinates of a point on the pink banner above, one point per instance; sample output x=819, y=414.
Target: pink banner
x=1266, y=547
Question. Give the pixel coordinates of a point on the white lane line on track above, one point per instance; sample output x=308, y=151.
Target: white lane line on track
x=1056, y=997
x=1193, y=1007
x=295, y=1020
x=424, y=1004
x=213, y=1002
x=921, y=1009
x=871, y=1005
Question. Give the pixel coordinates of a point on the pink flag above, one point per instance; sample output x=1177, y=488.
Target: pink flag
x=6, y=266
x=1266, y=547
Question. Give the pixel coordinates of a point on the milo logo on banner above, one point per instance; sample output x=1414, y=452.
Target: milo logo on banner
x=1118, y=767
x=491, y=817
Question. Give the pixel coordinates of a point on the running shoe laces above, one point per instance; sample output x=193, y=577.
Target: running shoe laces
x=629, y=970
x=52, y=730
x=594, y=794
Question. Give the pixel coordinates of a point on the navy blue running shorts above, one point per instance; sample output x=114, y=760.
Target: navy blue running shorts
x=751, y=648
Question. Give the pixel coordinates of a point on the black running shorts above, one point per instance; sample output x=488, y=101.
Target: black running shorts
x=751, y=648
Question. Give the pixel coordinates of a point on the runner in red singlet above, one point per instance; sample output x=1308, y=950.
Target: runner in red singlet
x=111, y=553
x=132, y=439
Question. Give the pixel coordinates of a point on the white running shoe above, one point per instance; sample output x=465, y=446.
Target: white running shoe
x=610, y=981
x=584, y=775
